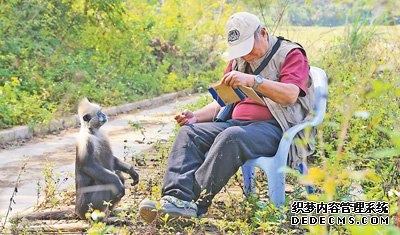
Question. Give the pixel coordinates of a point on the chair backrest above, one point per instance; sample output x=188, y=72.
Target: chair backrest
x=320, y=83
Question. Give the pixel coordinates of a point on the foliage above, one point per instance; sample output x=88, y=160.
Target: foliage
x=19, y=106
x=53, y=53
x=362, y=113
x=100, y=228
x=325, y=12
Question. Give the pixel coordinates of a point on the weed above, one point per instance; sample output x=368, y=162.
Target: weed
x=12, y=198
x=52, y=182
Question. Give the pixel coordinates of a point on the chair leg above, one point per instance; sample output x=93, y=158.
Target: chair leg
x=303, y=169
x=276, y=187
x=248, y=178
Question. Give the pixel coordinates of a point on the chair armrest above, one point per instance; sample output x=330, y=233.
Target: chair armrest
x=287, y=139
x=320, y=84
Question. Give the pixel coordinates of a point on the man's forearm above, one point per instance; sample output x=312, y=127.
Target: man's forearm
x=281, y=93
x=208, y=112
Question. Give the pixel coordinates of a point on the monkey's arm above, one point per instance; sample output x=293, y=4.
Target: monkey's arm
x=88, y=165
x=101, y=174
x=104, y=177
x=122, y=166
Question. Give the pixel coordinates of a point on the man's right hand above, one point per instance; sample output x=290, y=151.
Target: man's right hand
x=187, y=117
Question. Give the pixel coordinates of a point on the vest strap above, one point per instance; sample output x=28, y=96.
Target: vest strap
x=269, y=57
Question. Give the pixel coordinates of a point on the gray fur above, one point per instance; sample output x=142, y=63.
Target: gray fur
x=98, y=177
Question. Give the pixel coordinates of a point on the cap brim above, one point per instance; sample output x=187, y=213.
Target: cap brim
x=241, y=49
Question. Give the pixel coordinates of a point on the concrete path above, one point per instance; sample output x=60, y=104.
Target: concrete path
x=59, y=150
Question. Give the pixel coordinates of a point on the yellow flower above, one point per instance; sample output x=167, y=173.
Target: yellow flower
x=149, y=49
x=97, y=215
x=330, y=187
x=14, y=81
x=316, y=174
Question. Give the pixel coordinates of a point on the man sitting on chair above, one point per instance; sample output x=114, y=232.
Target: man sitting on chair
x=254, y=130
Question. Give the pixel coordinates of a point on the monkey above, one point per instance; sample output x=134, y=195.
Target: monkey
x=98, y=177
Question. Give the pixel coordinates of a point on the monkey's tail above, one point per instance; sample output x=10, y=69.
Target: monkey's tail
x=68, y=214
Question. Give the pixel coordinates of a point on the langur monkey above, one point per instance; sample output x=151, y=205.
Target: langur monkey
x=98, y=177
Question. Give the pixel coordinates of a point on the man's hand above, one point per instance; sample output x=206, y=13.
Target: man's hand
x=235, y=78
x=187, y=117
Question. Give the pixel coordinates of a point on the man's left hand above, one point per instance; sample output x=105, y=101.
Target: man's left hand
x=235, y=79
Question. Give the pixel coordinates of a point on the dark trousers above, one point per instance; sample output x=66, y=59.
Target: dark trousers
x=190, y=173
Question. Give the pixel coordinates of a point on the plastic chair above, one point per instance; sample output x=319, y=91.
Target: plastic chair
x=273, y=167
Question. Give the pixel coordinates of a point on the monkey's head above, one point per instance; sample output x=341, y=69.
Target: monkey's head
x=90, y=115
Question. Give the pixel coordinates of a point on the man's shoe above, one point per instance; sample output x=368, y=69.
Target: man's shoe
x=170, y=205
x=148, y=210
x=178, y=208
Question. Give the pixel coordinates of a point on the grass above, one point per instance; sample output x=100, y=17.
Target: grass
x=316, y=40
x=230, y=212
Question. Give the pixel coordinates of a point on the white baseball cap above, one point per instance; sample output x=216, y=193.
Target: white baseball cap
x=240, y=29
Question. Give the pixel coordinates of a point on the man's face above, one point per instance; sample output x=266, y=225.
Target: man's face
x=259, y=49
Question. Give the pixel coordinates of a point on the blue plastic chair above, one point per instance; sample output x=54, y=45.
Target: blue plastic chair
x=273, y=167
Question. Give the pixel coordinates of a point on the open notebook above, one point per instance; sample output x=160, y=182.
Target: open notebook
x=225, y=94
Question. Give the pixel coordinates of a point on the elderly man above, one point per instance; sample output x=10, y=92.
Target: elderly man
x=278, y=70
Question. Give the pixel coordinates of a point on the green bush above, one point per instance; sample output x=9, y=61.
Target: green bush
x=358, y=156
x=112, y=52
x=19, y=106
